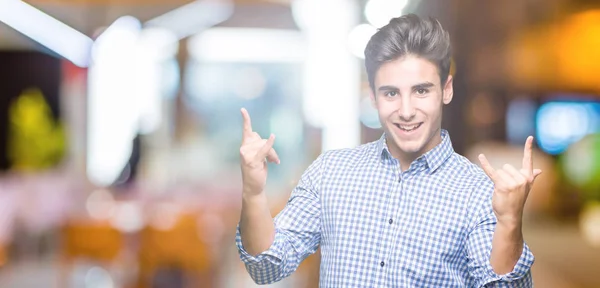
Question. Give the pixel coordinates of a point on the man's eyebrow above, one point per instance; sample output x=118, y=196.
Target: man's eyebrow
x=388, y=88
x=423, y=86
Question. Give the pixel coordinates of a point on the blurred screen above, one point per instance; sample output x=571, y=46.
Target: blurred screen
x=565, y=121
x=520, y=120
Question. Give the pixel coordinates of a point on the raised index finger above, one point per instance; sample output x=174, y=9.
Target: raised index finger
x=527, y=157
x=247, y=122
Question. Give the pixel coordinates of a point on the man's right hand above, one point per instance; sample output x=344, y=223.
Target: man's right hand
x=254, y=154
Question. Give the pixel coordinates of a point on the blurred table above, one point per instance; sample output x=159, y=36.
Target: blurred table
x=563, y=258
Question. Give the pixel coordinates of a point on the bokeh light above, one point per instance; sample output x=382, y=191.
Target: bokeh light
x=581, y=165
x=359, y=38
x=562, y=123
x=380, y=12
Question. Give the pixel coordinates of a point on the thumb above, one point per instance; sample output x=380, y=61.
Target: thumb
x=264, y=151
x=536, y=172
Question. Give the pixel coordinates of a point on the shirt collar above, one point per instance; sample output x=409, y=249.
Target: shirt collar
x=433, y=158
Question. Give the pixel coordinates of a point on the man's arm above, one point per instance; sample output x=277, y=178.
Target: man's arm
x=511, y=188
x=484, y=242
x=257, y=229
x=272, y=250
x=507, y=247
x=255, y=221
x=295, y=231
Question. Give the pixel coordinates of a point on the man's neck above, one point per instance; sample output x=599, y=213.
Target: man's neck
x=406, y=159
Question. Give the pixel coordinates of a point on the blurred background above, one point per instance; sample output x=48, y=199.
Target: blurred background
x=120, y=125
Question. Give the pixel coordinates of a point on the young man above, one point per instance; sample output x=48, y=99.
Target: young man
x=403, y=211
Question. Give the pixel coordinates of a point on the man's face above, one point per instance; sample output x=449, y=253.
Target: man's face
x=409, y=99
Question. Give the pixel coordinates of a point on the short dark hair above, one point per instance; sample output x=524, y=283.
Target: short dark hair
x=409, y=35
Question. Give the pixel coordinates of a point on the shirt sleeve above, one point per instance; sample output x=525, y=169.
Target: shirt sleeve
x=479, y=249
x=297, y=232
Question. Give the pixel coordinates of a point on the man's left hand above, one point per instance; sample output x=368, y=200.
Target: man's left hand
x=511, y=186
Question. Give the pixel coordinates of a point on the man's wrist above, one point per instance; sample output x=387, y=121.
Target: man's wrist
x=511, y=229
x=253, y=197
x=510, y=221
x=251, y=192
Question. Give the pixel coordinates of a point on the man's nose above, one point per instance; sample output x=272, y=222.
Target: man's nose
x=406, y=110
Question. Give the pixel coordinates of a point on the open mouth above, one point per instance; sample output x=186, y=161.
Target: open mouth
x=408, y=128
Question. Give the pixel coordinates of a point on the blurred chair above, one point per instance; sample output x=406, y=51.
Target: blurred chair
x=177, y=252
x=95, y=241
x=3, y=256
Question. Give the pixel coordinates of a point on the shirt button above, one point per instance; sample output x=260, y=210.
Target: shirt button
x=391, y=221
x=382, y=264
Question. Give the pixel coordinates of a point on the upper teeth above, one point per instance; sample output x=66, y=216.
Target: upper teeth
x=404, y=127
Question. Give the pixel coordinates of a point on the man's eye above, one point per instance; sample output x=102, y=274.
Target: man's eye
x=391, y=94
x=421, y=91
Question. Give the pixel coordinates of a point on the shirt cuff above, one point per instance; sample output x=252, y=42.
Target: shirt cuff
x=520, y=270
x=274, y=254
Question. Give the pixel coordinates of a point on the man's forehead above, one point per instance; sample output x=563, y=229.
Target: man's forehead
x=407, y=72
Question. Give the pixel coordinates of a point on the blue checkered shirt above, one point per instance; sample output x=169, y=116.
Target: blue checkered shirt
x=429, y=226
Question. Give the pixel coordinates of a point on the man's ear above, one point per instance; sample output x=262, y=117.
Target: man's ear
x=448, y=91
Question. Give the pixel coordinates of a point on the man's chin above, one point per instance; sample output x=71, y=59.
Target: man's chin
x=412, y=150
x=409, y=146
